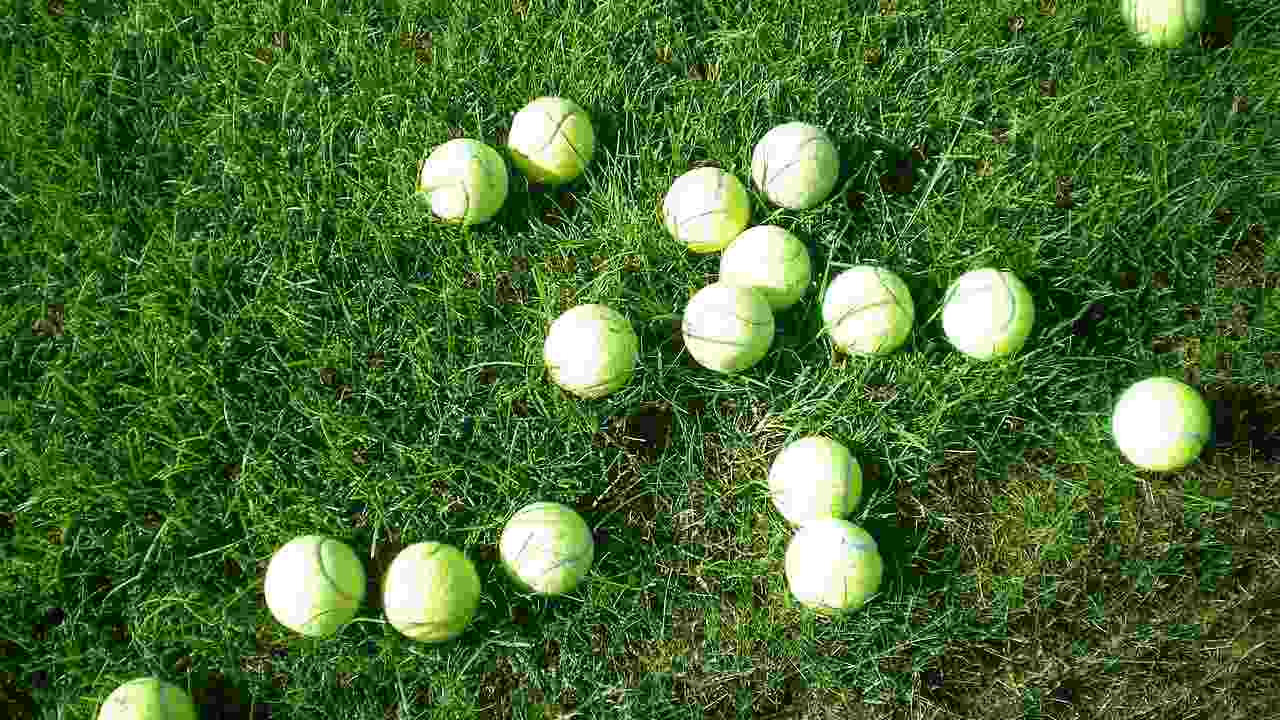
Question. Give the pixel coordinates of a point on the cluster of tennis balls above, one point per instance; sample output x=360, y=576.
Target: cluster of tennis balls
x=314, y=586
x=551, y=141
x=728, y=326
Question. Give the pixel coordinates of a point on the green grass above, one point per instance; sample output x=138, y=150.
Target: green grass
x=228, y=322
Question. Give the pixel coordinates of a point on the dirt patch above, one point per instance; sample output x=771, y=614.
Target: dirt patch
x=496, y=686
x=219, y=699
x=15, y=700
x=644, y=434
x=1158, y=600
x=1246, y=419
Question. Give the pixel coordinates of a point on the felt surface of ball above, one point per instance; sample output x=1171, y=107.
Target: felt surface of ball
x=795, y=165
x=833, y=566
x=590, y=350
x=546, y=548
x=1163, y=23
x=1161, y=424
x=465, y=181
x=727, y=328
x=706, y=208
x=988, y=314
x=815, y=477
x=430, y=592
x=314, y=585
x=770, y=260
x=868, y=310
x=551, y=140
x=148, y=699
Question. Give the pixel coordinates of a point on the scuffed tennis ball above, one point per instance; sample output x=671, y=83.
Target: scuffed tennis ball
x=1163, y=23
x=314, y=585
x=148, y=699
x=546, y=548
x=465, y=181
x=795, y=165
x=988, y=314
x=770, y=260
x=706, y=208
x=727, y=328
x=1161, y=424
x=813, y=478
x=867, y=310
x=551, y=140
x=833, y=566
x=590, y=351
x=430, y=592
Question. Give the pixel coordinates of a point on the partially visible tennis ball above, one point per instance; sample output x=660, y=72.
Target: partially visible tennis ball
x=988, y=314
x=551, y=140
x=868, y=311
x=833, y=566
x=796, y=165
x=769, y=260
x=430, y=592
x=815, y=477
x=148, y=699
x=1163, y=23
x=465, y=181
x=727, y=328
x=705, y=209
x=1161, y=424
x=590, y=350
x=546, y=548
x=314, y=585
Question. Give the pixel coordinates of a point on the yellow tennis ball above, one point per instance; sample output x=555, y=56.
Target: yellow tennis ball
x=813, y=478
x=465, y=181
x=590, y=350
x=795, y=165
x=769, y=260
x=833, y=566
x=314, y=585
x=551, y=140
x=727, y=328
x=988, y=314
x=706, y=208
x=546, y=548
x=148, y=699
x=1163, y=23
x=867, y=310
x=1161, y=424
x=430, y=592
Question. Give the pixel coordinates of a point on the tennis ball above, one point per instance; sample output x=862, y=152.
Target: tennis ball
x=727, y=328
x=813, y=478
x=465, y=181
x=705, y=209
x=833, y=566
x=1160, y=424
x=546, y=548
x=868, y=311
x=770, y=260
x=551, y=140
x=795, y=165
x=590, y=351
x=430, y=592
x=988, y=314
x=314, y=585
x=1163, y=23
x=148, y=699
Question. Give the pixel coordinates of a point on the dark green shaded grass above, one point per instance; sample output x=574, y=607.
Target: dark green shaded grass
x=221, y=228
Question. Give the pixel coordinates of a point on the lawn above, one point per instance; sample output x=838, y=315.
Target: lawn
x=228, y=322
